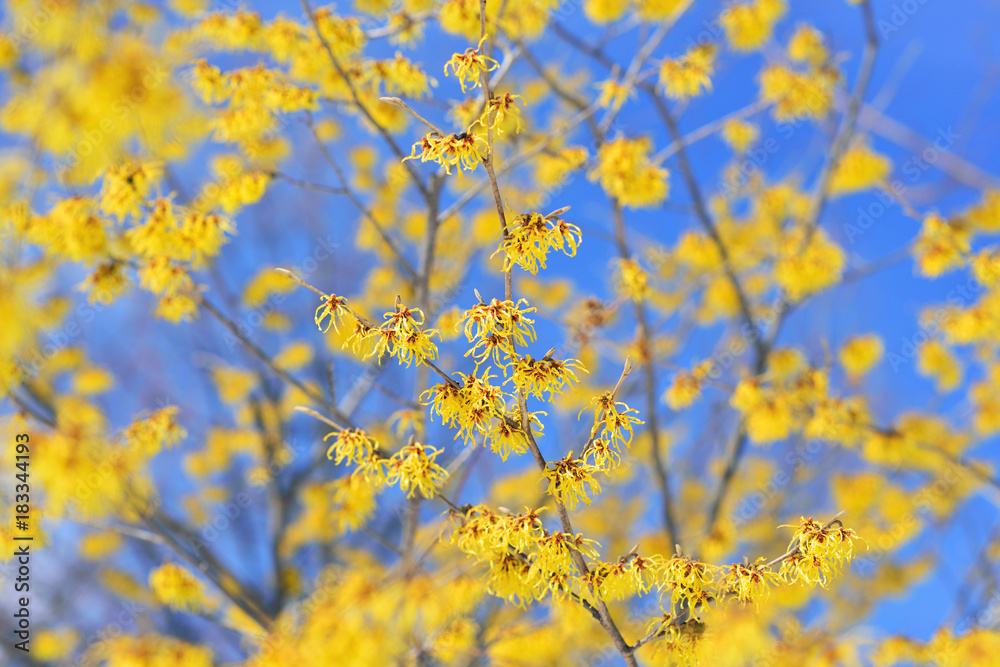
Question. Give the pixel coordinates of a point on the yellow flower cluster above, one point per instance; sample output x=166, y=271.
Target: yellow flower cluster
x=773, y=412
x=147, y=649
x=401, y=334
x=526, y=562
x=626, y=173
x=498, y=327
x=614, y=93
x=454, y=150
x=354, y=445
x=532, y=236
x=537, y=376
x=612, y=419
x=633, y=281
x=624, y=579
x=942, y=245
x=817, y=552
x=686, y=387
x=796, y=95
x=571, y=480
x=860, y=354
x=739, y=135
x=471, y=407
x=749, y=25
x=689, y=74
x=412, y=467
x=808, y=45
x=154, y=431
x=860, y=168
x=807, y=263
x=469, y=67
x=749, y=583
x=177, y=588
x=499, y=109
x=127, y=186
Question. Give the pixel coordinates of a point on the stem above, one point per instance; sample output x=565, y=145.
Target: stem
x=659, y=465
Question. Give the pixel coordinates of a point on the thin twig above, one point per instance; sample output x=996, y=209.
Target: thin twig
x=356, y=97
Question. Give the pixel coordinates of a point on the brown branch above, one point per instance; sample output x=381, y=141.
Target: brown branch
x=358, y=204
x=263, y=357
x=659, y=466
x=365, y=111
x=839, y=147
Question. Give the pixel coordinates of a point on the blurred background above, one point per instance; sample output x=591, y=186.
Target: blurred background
x=930, y=108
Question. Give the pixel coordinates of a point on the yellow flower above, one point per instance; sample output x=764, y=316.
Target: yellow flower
x=769, y=414
x=454, y=150
x=621, y=580
x=571, y=480
x=748, y=25
x=126, y=187
x=941, y=245
x=860, y=354
x=604, y=11
x=506, y=321
x=936, y=361
x=156, y=235
x=612, y=418
x=500, y=107
x=749, y=582
x=807, y=45
x=805, y=268
x=659, y=10
x=535, y=377
x=626, y=173
x=471, y=407
x=532, y=236
x=414, y=469
x=72, y=229
x=149, y=649
x=234, y=384
x=153, y=431
x=798, y=95
x=785, y=364
x=860, y=168
x=986, y=266
x=401, y=76
x=176, y=587
x=54, y=646
x=633, y=281
x=845, y=421
x=294, y=355
x=686, y=387
x=471, y=65
x=985, y=215
x=160, y=275
x=332, y=306
x=739, y=135
x=613, y=94
x=688, y=75
x=817, y=552
x=92, y=380
x=98, y=546
x=176, y=308
x=351, y=444
x=689, y=581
